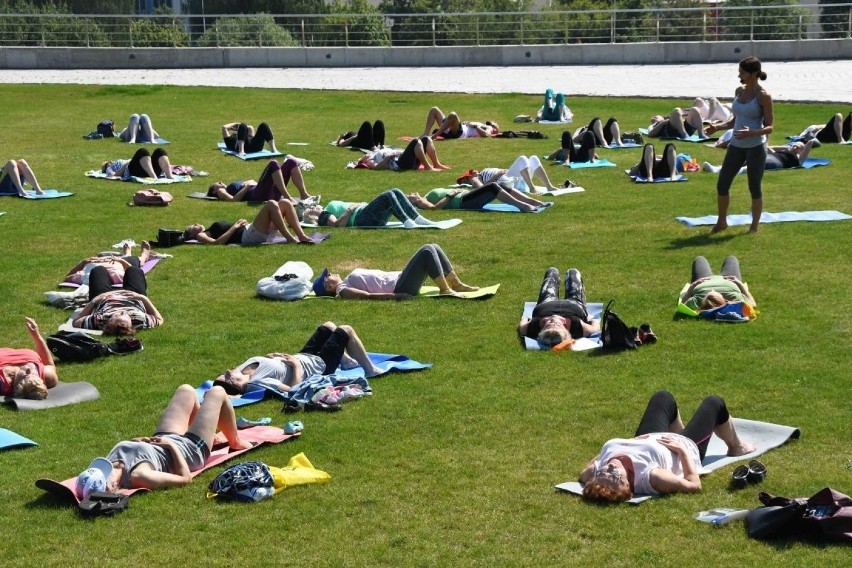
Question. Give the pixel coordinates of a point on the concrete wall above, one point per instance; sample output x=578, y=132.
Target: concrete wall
x=575, y=54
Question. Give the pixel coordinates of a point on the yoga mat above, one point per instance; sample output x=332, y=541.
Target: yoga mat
x=562, y=191
x=145, y=266
x=432, y=292
x=10, y=440
x=582, y=344
x=201, y=195
x=69, y=325
x=146, y=141
x=60, y=395
x=624, y=145
x=694, y=137
x=765, y=436
x=249, y=156
x=787, y=216
x=600, y=163
x=48, y=194
x=508, y=208
x=146, y=180
x=2, y=213
x=252, y=395
x=443, y=224
x=315, y=237
x=813, y=162
x=640, y=179
x=260, y=435
x=569, y=121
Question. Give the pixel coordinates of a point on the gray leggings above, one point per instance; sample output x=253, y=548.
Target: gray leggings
x=429, y=260
x=377, y=212
x=701, y=268
x=755, y=160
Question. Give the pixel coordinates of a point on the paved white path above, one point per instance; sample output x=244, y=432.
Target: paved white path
x=824, y=81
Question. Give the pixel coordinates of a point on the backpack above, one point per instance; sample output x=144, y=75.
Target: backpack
x=152, y=197
x=106, y=129
x=615, y=334
x=75, y=346
x=169, y=238
x=101, y=503
x=292, y=281
x=241, y=481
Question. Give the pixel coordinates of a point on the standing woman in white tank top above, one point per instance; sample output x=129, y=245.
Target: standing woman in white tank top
x=752, y=121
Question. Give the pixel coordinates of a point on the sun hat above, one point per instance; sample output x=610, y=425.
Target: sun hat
x=93, y=478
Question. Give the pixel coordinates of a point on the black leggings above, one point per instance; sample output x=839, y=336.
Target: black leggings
x=408, y=159
x=585, y=153
x=135, y=167
x=100, y=281
x=328, y=345
x=828, y=135
x=607, y=131
x=665, y=167
x=481, y=196
x=370, y=135
x=662, y=411
x=255, y=143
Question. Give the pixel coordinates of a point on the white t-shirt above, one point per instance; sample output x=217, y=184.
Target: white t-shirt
x=372, y=281
x=270, y=372
x=648, y=454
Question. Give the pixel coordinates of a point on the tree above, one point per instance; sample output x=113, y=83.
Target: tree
x=259, y=30
x=354, y=23
x=834, y=20
x=780, y=23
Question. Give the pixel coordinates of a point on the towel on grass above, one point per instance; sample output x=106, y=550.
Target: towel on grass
x=766, y=436
x=434, y=292
x=146, y=180
x=582, y=344
x=640, y=179
x=787, y=216
x=10, y=440
x=202, y=195
x=48, y=194
x=259, y=435
x=264, y=153
x=442, y=224
x=599, y=163
x=146, y=267
x=69, y=325
x=60, y=395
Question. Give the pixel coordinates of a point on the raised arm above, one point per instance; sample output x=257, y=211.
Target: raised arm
x=50, y=377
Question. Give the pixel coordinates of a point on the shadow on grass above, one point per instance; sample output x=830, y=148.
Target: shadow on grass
x=700, y=240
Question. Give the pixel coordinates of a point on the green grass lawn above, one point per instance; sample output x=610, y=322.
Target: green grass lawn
x=454, y=465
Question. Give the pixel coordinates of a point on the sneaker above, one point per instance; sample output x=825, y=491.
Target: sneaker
x=120, y=245
x=708, y=167
x=731, y=317
x=293, y=427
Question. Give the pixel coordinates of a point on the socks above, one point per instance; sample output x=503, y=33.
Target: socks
x=409, y=224
x=423, y=221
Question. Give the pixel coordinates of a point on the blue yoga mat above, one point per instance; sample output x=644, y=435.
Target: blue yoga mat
x=640, y=179
x=600, y=163
x=146, y=141
x=146, y=180
x=508, y=208
x=624, y=145
x=694, y=137
x=582, y=344
x=48, y=194
x=9, y=440
x=787, y=216
x=253, y=156
x=814, y=162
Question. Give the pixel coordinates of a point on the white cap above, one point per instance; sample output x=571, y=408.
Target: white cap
x=94, y=478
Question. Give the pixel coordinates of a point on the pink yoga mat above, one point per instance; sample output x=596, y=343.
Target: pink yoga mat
x=146, y=268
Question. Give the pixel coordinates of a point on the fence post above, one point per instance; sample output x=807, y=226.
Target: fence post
x=704, y=27
x=657, y=20
x=130, y=32
x=477, y=32
x=612, y=27
x=346, y=33
x=304, y=39
x=434, y=35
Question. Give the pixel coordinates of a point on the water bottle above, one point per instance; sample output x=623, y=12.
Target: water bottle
x=261, y=493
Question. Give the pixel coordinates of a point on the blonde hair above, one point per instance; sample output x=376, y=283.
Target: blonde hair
x=30, y=387
x=713, y=299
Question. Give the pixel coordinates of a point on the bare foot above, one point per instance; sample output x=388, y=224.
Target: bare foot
x=239, y=444
x=448, y=292
x=443, y=167
x=219, y=439
x=462, y=287
x=718, y=228
x=374, y=372
x=743, y=449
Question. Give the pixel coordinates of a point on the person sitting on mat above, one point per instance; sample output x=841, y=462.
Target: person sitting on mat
x=417, y=154
x=376, y=213
x=241, y=138
x=274, y=215
x=118, y=312
x=368, y=137
x=14, y=175
x=271, y=185
x=429, y=260
x=180, y=445
x=330, y=347
x=451, y=126
x=457, y=198
x=664, y=456
x=788, y=156
x=114, y=263
x=25, y=373
x=707, y=291
x=680, y=124
x=553, y=320
x=837, y=130
x=520, y=175
x=653, y=167
x=570, y=154
x=139, y=129
x=142, y=164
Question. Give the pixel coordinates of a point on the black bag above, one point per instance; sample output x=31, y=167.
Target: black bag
x=75, y=346
x=615, y=334
x=825, y=515
x=169, y=238
x=106, y=128
x=238, y=480
x=100, y=503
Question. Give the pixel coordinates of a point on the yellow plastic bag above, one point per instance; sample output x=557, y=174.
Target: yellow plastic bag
x=298, y=471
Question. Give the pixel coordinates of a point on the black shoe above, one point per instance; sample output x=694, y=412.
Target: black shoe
x=291, y=407
x=312, y=406
x=739, y=478
x=125, y=346
x=756, y=471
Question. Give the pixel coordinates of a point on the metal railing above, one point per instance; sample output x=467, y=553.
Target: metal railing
x=717, y=23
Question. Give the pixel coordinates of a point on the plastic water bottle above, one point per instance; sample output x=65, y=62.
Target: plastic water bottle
x=261, y=493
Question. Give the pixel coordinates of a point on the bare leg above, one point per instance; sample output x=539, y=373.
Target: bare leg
x=803, y=155
x=429, y=149
x=298, y=180
x=615, y=130
x=541, y=174
x=722, y=203
x=677, y=424
x=756, y=212
x=11, y=169
x=693, y=117
x=216, y=411
x=597, y=130
x=29, y=175
x=165, y=165
x=144, y=255
x=648, y=160
x=728, y=434
x=519, y=199
x=288, y=212
x=180, y=412
x=355, y=349
x=434, y=118
x=269, y=218
x=676, y=122
x=145, y=163
x=421, y=156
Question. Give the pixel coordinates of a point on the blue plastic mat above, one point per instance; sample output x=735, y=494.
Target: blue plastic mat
x=253, y=156
x=582, y=344
x=508, y=208
x=600, y=163
x=31, y=194
x=787, y=216
x=146, y=180
x=640, y=179
x=694, y=137
x=146, y=141
x=9, y=440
